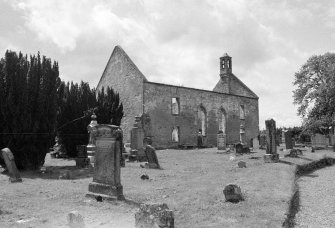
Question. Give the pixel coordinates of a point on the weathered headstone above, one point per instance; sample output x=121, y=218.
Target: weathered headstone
x=75, y=220
x=239, y=148
x=91, y=142
x=233, y=193
x=271, y=147
x=242, y=164
x=8, y=157
x=152, y=157
x=288, y=139
x=136, y=140
x=221, y=141
x=153, y=216
x=255, y=143
x=106, y=177
x=82, y=160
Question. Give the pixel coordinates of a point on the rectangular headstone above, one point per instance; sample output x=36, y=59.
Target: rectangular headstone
x=288, y=140
x=11, y=166
x=106, y=177
x=221, y=141
x=255, y=143
x=271, y=147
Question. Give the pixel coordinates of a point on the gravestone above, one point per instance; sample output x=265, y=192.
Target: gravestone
x=82, y=160
x=221, y=141
x=153, y=216
x=136, y=140
x=91, y=141
x=106, y=178
x=152, y=157
x=242, y=134
x=233, y=193
x=271, y=147
x=239, y=148
x=242, y=164
x=288, y=139
x=8, y=157
x=255, y=143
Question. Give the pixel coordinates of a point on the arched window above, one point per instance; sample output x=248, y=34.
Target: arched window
x=203, y=120
x=222, y=121
x=242, y=112
x=175, y=134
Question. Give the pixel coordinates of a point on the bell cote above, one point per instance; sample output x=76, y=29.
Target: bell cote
x=225, y=65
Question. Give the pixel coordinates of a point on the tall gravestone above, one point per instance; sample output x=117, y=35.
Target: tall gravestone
x=255, y=143
x=271, y=147
x=91, y=141
x=106, y=179
x=221, y=141
x=11, y=166
x=136, y=140
x=242, y=134
x=288, y=139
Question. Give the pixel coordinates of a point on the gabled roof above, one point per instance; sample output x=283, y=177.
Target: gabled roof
x=119, y=51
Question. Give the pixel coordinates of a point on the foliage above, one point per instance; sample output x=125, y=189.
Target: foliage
x=315, y=92
x=76, y=104
x=27, y=106
x=109, y=109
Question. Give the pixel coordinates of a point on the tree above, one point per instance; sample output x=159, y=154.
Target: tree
x=315, y=93
x=76, y=104
x=27, y=107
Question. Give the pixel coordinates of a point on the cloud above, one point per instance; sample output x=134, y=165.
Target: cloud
x=179, y=41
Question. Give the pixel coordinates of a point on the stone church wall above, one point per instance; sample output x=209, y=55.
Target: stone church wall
x=157, y=104
x=124, y=77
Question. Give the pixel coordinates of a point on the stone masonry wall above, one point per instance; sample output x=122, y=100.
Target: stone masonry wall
x=125, y=78
x=157, y=103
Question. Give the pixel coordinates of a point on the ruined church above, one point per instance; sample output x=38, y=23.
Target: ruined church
x=172, y=116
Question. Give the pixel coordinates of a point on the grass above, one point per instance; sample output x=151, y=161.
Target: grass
x=191, y=183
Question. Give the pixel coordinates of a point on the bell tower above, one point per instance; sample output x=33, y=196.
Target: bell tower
x=225, y=65
x=223, y=85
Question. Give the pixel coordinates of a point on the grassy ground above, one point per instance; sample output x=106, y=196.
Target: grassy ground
x=191, y=183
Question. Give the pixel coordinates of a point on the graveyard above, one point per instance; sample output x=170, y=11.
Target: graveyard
x=190, y=182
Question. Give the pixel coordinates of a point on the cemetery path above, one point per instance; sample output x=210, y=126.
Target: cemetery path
x=317, y=199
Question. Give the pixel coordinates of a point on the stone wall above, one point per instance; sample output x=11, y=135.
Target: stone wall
x=157, y=104
x=125, y=78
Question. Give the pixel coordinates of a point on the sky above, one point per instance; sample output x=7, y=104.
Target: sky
x=179, y=42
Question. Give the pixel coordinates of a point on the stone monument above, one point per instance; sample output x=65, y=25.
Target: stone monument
x=106, y=178
x=271, y=147
x=11, y=166
x=288, y=139
x=136, y=140
x=255, y=143
x=91, y=142
x=221, y=141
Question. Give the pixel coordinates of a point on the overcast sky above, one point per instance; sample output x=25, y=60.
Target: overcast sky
x=179, y=42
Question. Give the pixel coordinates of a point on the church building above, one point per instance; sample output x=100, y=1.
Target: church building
x=173, y=116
